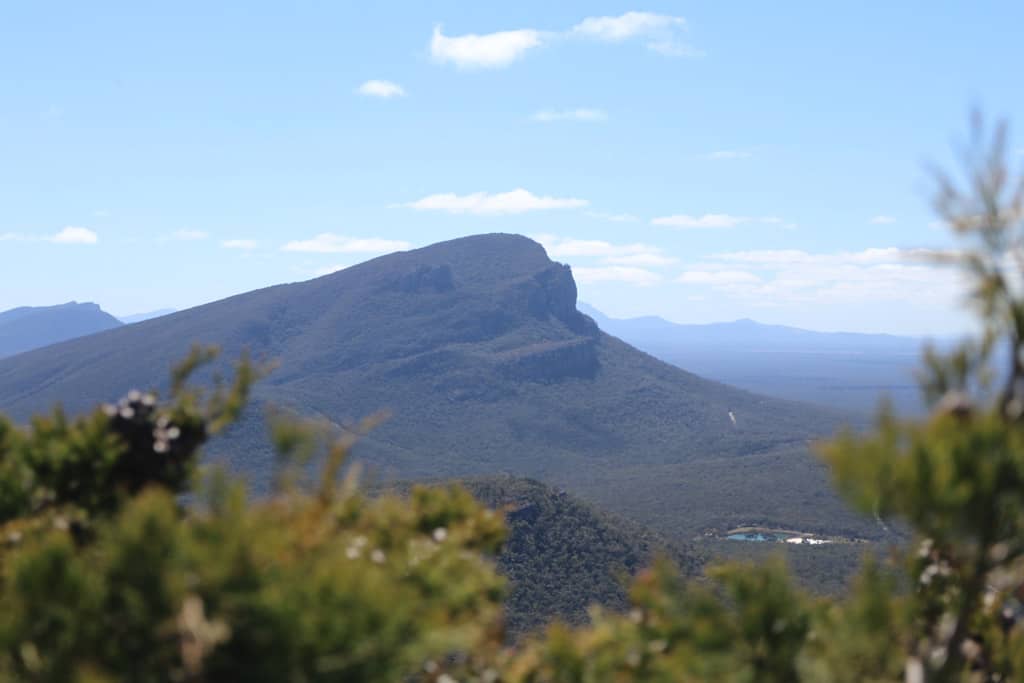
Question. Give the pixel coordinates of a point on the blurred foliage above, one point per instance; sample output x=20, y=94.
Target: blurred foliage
x=106, y=575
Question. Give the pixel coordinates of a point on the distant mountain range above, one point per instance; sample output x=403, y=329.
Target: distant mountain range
x=26, y=328
x=139, y=317
x=846, y=371
x=478, y=350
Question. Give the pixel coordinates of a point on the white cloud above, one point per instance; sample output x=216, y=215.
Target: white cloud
x=728, y=155
x=626, y=274
x=499, y=49
x=486, y=51
x=239, y=244
x=514, y=202
x=634, y=254
x=708, y=220
x=717, y=221
x=653, y=259
x=662, y=30
x=189, y=235
x=385, y=89
x=549, y=115
x=626, y=26
x=717, y=277
x=74, y=235
x=11, y=237
x=330, y=243
x=882, y=220
x=779, y=277
x=613, y=217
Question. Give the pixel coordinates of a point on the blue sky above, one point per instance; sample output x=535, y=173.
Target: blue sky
x=700, y=161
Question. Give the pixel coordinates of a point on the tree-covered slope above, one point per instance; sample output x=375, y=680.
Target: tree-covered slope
x=476, y=348
x=32, y=327
x=562, y=555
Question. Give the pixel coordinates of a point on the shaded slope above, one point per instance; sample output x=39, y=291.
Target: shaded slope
x=32, y=327
x=476, y=347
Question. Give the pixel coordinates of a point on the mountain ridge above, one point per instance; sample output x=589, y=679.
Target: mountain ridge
x=477, y=349
x=26, y=328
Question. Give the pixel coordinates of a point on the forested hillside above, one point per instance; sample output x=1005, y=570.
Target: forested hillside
x=562, y=555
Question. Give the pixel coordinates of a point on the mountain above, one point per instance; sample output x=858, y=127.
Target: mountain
x=139, y=317
x=843, y=370
x=477, y=349
x=26, y=328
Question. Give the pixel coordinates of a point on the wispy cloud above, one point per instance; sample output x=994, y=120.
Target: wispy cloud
x=627, y=26
x=652, y=259
x=549, y=115
x=514, y=202
x=636, y=254
x=500, y=49
x=483, y=51
x=69, y=235
x=775, y=277
x=74, y=235
x=717, y=277
x=717, y=221
x=626, y=274
x=707, y=221
x=331, y=243
x=383, y=89
x=246, y=245
x=882, y=220
x=663, y=32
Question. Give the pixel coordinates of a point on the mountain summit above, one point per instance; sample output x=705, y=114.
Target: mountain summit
x=477, y=349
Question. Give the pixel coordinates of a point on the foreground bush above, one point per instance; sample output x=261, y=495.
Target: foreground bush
x=107, y=576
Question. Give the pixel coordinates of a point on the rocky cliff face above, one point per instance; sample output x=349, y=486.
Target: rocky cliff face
x=523, y=328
